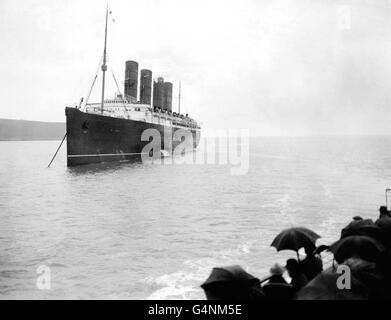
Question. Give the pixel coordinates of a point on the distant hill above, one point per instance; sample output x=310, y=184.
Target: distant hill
x=22, y=130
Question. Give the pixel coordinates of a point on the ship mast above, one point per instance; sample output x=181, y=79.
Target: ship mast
x=104, y=66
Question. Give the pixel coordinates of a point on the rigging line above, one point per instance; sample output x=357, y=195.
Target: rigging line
x=116, y=83
x=115, y=80
x=58, y=149
x=112, y=72
x=93, y=83
x=119, y=91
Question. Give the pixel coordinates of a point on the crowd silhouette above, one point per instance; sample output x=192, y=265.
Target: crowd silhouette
x=359, y=270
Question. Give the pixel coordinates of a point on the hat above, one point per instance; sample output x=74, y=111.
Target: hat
x=292, y=265
x=277, y=270
x=383, y=210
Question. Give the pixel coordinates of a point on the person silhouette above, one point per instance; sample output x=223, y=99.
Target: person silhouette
x=299, y=279
x=312, y=265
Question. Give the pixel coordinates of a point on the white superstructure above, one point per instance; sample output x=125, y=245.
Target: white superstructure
x=123, y=109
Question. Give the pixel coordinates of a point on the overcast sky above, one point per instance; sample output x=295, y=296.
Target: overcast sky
x=275, y=67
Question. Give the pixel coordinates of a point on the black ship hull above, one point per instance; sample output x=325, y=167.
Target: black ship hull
x=94, y=138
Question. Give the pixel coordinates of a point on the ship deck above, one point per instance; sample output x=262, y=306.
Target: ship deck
x=123, y=109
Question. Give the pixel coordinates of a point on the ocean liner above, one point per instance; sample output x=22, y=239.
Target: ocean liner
x=112, y=129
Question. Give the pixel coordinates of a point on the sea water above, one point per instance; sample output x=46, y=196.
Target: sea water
x=147, y=231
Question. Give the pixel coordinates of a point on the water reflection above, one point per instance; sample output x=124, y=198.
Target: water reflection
x=134, y=162
x=94, y=168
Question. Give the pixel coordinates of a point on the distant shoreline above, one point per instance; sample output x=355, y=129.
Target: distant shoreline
x=31, y=140
x=27, y=130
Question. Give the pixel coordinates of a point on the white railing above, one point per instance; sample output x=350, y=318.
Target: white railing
x=124, y=110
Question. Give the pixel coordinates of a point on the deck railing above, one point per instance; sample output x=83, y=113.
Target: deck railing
x=184, y=122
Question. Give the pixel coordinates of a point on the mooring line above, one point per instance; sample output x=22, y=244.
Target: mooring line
x=58, y=149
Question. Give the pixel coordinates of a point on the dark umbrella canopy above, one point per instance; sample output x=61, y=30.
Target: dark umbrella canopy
x=294, y=239
x=357, y=223
x=362, y=247
x=232, y=283
x=228, y=274
x=365, y=283
x=362, y=228
x=324, y=287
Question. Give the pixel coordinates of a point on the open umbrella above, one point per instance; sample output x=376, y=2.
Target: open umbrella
x=232, y=283
x=295, y=239
x=324, y=287
x=229, y=274
x=365, y=283
x=362, y=247
x=362, y=228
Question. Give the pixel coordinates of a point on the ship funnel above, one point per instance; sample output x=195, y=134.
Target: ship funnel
x=158, y=93
x=145, y=86
x=167, y=104
x=131, y=79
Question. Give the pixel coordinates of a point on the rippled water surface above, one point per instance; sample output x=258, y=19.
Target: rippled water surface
x=137, y=231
